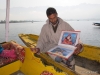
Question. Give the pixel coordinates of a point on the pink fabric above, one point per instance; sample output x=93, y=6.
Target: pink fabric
x=19, y=51
x=12, y=51
x=46, y=73
x=8, y=53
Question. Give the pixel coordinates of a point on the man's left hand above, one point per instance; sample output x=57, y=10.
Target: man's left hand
x=78, y=49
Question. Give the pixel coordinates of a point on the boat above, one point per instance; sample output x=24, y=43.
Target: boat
x=89, y=58
x=33, y=64
x=96, y=24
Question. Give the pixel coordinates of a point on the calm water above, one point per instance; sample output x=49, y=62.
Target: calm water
x=89, y=34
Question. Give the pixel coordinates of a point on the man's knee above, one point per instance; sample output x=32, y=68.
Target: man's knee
x=72, y=63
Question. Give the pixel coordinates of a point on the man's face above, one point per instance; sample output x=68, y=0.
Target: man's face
x=53, y=18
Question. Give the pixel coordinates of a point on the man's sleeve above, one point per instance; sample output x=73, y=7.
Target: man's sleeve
x=68, y=27
x=42, y=39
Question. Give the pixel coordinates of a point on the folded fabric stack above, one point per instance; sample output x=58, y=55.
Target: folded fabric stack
x=11, y=51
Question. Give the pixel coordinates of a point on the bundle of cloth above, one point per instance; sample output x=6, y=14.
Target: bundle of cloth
x=11, y=51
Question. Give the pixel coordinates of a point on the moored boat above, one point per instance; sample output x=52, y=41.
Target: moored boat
x=96, y=24
x=89, y=58
x=31, y=64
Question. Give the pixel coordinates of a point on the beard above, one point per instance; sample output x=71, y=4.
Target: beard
x=53, y=23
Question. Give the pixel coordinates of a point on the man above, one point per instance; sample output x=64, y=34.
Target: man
x=50, y=35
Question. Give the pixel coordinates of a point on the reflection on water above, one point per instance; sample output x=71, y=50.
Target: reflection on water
x=89, y=33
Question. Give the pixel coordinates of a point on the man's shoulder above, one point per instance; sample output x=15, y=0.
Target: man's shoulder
x=63, y=21
x=45, y=26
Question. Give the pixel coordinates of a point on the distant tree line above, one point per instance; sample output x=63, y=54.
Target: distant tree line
x=15, y=21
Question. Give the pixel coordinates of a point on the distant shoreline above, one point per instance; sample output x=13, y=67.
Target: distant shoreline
x=14, y=22
x=20, y=22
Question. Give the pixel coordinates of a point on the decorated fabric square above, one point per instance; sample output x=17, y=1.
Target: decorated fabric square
x=11, y=51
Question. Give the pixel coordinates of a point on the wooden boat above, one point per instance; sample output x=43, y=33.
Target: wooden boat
x=96, y=24
x=89, y=58
x=39, y=64
x=34, y=64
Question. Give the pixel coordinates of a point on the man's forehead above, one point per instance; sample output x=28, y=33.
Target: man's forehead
x=52, y=16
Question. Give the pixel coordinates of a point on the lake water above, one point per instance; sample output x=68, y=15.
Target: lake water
x=90, y=34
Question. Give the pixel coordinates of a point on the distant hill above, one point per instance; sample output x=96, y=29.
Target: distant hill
x=82, y=11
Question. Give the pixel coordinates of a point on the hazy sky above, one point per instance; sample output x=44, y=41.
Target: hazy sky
x=35, y=9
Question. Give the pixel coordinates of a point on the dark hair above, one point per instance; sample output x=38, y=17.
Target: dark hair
x=50, y=11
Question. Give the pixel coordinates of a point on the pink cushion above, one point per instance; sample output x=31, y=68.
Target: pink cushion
x=8, y=53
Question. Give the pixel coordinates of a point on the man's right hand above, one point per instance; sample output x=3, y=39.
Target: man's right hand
x=35, y=50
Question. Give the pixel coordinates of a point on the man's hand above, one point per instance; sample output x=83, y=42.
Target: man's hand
x=78, y=49
x=35, y=50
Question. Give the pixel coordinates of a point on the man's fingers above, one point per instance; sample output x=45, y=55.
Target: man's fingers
x=76, y=51
x=33, y=50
